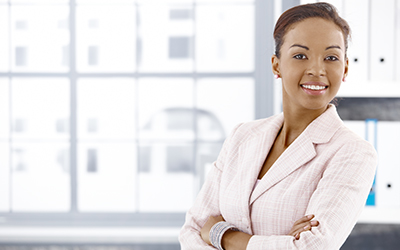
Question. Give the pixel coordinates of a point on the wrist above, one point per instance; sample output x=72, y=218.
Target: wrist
x=235, y=240
x=218, y=231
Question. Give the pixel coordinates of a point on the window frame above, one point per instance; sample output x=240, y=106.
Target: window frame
x=264, y=107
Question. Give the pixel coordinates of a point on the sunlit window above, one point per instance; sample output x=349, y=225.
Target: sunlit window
x=118, y=106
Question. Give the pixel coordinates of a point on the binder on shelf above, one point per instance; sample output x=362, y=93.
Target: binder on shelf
x=371, y=129
x=356, y=14
x=388, y=172
x=382, y=35
x=397, y=45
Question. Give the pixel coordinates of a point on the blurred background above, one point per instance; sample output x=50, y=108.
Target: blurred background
x=111, y=112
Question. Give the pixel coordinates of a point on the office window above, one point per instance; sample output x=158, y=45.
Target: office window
x=225, y=43
x=105, y=37
x=40, y=178
x=4, y=42
x=118, y=108
x=37, y=40
x=4, y=146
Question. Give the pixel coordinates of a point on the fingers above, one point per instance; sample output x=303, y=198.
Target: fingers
x=302, y=225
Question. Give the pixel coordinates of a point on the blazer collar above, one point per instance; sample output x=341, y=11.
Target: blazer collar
x=253, y=152
x=322, y=129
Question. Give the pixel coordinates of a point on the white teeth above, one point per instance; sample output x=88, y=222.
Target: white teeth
x=314, y=87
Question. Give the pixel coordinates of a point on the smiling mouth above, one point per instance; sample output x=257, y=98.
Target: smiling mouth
x=314, y=87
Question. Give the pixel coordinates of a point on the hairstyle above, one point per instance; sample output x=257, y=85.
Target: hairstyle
x=302, y=12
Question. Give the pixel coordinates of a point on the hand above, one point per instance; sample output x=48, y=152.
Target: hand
x=205, y=230
x=302, y=225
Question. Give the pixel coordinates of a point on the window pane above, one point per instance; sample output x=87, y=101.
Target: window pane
x=106, y=38
x=4, y=177
x=166, y=42
x=40, y=177
x=166, y=177
x=231, y=100
x=166, y=153
x=40, y=38
x=4, y=49
x=4, y=108
x=166, y=109
x=40, y=108
x=107, y=177
x=106, y=108
x=225, y=42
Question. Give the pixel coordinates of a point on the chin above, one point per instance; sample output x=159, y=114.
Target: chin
x=316, y=106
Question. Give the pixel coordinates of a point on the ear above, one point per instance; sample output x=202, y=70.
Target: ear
x=346, y=68
x=275, y=65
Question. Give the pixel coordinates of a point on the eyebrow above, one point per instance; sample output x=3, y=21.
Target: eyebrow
x=333, y=47
x=306, y=48
x=301, y=46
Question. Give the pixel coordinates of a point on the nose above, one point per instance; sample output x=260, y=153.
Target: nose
x=316, y=68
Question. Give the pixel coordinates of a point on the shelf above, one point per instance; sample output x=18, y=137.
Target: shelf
x=370, y=89
x=380, y=215
x=88, y=235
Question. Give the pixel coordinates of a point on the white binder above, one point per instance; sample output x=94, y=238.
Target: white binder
x=382, y=40
x=356, y=14
x=397, y=62
x=388, y=171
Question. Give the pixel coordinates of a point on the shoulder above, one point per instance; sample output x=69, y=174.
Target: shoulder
x=354, y=144
x=348, y=138
x=353, y=154
x=248, y=130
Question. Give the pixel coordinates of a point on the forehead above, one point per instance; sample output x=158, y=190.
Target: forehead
x=314, y=31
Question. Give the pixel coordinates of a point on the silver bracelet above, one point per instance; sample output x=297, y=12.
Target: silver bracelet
x=217, y=231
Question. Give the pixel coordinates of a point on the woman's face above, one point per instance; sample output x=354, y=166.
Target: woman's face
x=312, y=63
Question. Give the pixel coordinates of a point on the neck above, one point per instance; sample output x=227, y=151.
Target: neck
x=295, y=122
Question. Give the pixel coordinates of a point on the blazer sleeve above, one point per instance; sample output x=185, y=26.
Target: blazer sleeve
x=206, y=203
x=337, y=201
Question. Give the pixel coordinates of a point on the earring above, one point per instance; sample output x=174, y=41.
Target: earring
x=277, y=76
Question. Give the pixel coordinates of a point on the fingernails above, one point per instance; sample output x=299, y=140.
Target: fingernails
x=314, y=223
x=310, y=216
x=307, y=227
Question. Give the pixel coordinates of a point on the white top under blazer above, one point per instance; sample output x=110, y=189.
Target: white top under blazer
x=327, y=171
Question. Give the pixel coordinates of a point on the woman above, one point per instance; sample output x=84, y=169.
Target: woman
x=275, y=175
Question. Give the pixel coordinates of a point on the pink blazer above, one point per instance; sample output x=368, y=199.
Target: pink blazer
x=327, y=171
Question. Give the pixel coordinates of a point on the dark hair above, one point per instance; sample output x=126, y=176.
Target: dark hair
x=301, y=12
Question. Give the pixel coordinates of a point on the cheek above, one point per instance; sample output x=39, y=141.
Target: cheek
x=292, y=70
x=336, y=74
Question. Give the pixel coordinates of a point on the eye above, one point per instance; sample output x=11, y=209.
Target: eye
x=331, y=58
x=300, y=57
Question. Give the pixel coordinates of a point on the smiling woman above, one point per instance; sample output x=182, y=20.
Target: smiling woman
x=311, y=69
x=299, y=179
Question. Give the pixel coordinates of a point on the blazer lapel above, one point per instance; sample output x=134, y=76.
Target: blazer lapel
x=252, y=155
x=300, y=152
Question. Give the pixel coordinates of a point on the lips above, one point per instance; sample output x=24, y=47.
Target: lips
x=314, y=88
